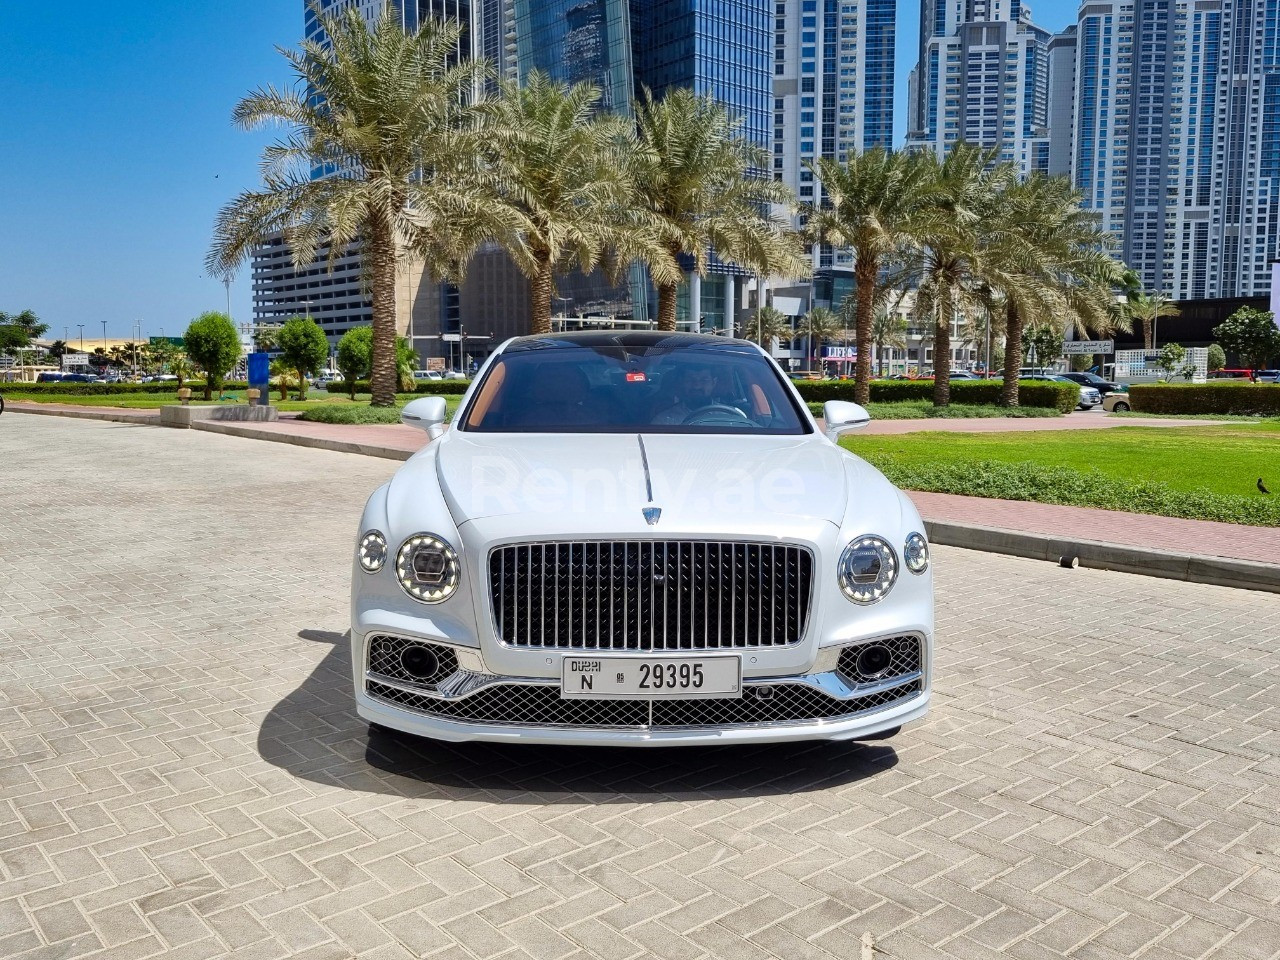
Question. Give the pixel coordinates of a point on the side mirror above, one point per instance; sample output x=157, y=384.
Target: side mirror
x=843, y=417
x=425, y=413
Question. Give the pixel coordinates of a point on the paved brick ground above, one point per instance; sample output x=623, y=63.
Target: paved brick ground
x=182, y=774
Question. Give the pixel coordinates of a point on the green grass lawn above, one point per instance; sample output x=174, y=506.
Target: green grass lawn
x=924, y=410
x=1198, y=472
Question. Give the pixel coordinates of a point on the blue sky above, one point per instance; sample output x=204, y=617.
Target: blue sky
x=118, y=150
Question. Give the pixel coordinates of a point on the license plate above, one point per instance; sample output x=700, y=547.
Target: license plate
x=660, y=678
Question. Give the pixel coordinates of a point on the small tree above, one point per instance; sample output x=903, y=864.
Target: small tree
x=1046, y=341
x=1217, y=358
x=213, y=345
x=1172, y=358
x=355, y=354
x=1252, y=335
x=303, y=348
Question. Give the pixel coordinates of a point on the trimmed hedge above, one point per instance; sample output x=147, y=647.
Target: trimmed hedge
x=1257, y=399
x=435, y=388
x=1031, y=393
x=112, y=389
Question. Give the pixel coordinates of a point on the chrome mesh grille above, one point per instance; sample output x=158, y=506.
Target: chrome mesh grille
x=904, y=658
x=542, y=706
x=650, y=594
x=385, y=659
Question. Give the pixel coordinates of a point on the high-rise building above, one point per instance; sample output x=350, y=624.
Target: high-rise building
x=1246, y=172
x=833, y=73
x=1176, y=139
x=982, y=77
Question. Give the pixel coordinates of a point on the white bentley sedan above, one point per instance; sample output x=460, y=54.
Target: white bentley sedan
x=639, y=538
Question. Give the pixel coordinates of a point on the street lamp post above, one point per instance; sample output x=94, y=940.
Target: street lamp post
x=81, y=326
x=104, y=336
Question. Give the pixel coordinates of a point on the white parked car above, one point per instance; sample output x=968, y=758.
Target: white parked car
x=428, y=375
x=639, y=538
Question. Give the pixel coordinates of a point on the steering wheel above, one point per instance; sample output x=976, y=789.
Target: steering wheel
x=711, y=410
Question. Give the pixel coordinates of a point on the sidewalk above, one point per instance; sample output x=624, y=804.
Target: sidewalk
x=1108, y=539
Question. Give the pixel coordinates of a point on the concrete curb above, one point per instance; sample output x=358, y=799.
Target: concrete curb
x=1192, y=568
x=124, y=416
x=318, y=443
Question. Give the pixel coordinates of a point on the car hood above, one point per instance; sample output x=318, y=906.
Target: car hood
x=593, y=482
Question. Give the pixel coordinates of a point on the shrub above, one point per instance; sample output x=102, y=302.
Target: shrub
x=350, y=413
x=434, y=388
x=1236, y=397
x=110, y=389
x=1032, y=393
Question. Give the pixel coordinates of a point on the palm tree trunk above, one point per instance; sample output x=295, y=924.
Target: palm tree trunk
x=1012, y=354
x=865, y=277
x=667, y=295
x=942, y=349
x=541, y=286
x=382, y=256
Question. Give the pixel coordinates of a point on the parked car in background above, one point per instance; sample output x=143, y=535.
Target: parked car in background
x=454, y=375
x=48, y=377
x=428, y=375
x=1231, y=375
x=1269, y=376
x=1090, y=397
x=80, y=378
x=1116, y=402
x=1086, y=379
x=670, y=610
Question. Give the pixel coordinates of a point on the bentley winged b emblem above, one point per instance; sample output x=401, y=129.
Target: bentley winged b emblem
x=651, y=514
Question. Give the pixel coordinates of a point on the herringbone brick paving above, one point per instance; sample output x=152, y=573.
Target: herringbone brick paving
x=183, y=775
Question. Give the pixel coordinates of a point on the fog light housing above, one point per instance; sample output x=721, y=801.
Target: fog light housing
x=427, y=568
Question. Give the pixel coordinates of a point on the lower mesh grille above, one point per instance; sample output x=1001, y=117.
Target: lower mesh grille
x=904, y=658
x=541, y=705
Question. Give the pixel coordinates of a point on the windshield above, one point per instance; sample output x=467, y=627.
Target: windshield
x=632, y=388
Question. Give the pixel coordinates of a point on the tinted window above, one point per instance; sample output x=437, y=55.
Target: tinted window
x=631, y=388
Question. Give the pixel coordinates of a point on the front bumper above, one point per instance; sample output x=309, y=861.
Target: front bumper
x=464, y=703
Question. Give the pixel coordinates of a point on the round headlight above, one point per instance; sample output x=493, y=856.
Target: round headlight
x=915, y=553
x=868, y=568
x=427, y=568
x=372, y=551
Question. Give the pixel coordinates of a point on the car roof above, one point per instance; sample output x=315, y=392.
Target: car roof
x=638, y=340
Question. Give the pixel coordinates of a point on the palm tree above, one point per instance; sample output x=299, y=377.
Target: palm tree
x=699, y=183
x=819, y=324
x=876, y=204
x=393, y=117
x=1147, y=309
x=769, y=324
x=561, y=196
x=1050, y=260
x=962, y=190
x=888, y=329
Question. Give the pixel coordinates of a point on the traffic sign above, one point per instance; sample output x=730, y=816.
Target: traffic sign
x=1077, y=347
